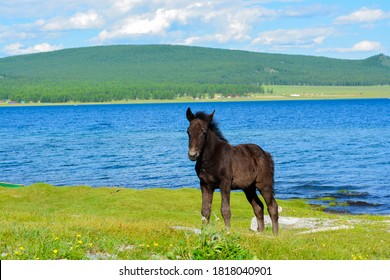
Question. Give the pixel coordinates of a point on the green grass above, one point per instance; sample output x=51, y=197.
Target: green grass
x=46, y=222
x=328, y=92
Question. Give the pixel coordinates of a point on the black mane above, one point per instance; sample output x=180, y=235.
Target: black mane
x=212, y=126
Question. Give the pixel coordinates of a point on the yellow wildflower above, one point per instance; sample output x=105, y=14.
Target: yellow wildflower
x=55, y=251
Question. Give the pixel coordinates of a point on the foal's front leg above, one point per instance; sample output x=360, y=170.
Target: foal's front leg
x=225, y=205
x=207, y=200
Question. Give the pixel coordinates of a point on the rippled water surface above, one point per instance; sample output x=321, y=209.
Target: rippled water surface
x=338, y=148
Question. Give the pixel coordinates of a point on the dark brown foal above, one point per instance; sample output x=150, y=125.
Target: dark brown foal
x=220, y=165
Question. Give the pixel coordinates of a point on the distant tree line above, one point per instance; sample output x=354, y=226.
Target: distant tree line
x=106, y=92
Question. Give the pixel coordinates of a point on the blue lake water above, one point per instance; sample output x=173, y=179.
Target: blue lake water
x=334, y=148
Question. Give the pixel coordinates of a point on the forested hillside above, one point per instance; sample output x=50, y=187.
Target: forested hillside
x=127, y=72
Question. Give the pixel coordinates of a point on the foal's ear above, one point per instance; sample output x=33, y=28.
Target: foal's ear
x=190, y=115
x=210, y=117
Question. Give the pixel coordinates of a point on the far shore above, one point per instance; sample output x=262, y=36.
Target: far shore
x=273, y=93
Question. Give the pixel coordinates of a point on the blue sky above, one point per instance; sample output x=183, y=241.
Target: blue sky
x=341, y=29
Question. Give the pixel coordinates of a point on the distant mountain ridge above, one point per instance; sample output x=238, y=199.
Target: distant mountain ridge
x=119, y=72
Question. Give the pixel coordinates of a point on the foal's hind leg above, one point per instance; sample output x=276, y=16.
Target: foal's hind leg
x=257, y=205
x=267, y=191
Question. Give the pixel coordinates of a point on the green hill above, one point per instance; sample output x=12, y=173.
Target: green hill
x=123, y=72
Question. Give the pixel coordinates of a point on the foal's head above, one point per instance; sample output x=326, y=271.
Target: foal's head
x=197, y=132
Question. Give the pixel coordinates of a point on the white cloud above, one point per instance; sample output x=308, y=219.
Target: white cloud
x=124, y=6
x=294, y=37
x=4, y=33
x=199, y=21
x=228, y=24
x=18, y=32
x=150, y=23
x=80, y=20
x=232, y=25
x=18, y=48
x=192, y=40
x=46, y=8
x=364, y=15
x=307, y=10
x=363, y=46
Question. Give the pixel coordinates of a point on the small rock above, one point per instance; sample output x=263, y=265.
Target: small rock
x=100, y=256
x=126, y=248
x=194, y=230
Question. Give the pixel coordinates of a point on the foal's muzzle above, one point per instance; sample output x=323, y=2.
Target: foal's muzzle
x=193, y=155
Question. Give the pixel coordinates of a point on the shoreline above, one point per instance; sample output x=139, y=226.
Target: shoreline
x=279, y=93
x=322, y=204
x=175, y=101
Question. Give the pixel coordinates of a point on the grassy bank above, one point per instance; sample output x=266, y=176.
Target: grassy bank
x=328, y=92
x=46, y=222
x=273, y=92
